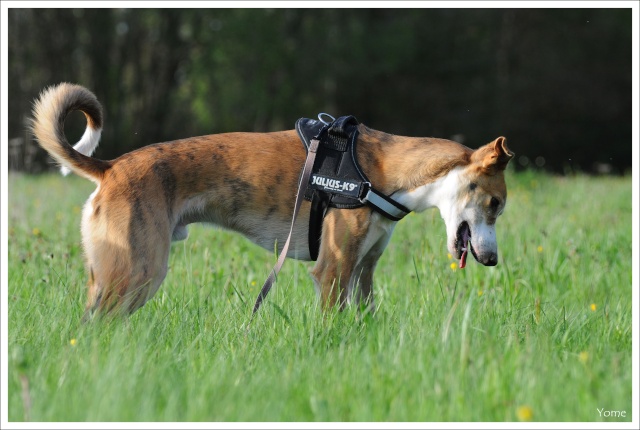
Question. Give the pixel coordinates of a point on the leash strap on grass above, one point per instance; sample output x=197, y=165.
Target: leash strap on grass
x=304, y=182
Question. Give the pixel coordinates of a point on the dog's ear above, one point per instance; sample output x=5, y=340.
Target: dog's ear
x=493, y=157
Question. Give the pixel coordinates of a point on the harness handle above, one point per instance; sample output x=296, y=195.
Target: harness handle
x=323, y=114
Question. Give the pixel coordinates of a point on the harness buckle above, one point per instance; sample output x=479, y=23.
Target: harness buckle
x=364, y=191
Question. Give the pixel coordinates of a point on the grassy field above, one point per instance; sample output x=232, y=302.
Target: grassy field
x=543, y=336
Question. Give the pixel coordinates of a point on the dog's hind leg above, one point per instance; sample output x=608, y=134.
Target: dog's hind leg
x=119, y=283
x=126, y=258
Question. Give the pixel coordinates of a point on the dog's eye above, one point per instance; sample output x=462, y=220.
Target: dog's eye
x=472, y=186
x=494, y=203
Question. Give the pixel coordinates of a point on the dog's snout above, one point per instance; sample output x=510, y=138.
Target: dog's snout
x=491, y=260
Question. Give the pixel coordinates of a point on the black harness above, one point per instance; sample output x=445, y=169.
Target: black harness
x=336, y=178
x=331, y=177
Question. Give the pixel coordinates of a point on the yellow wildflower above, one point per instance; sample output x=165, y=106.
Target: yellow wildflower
x=583, y=357
x=453, y=266
x=593, y=307
x=540, y=248
x=73, y=342
x=480, y=292
x=524, y=413
x=449, y=256
x=36, y=231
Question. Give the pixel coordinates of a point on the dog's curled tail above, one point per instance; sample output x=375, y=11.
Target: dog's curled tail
x=47, y=125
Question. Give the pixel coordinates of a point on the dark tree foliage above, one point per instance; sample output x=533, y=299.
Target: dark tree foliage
x=555, y=82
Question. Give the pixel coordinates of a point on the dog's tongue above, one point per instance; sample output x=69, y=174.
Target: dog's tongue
x=463, y=258
x=465, y=249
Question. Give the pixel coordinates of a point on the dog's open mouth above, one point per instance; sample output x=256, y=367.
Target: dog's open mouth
x=463, y=244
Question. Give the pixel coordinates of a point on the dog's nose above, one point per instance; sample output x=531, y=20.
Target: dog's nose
x=491, y=260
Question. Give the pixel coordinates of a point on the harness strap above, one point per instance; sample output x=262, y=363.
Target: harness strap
x=386, y=205
x=304, y=181
x=319, y=205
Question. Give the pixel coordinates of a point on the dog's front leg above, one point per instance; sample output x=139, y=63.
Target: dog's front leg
x=343, y=234
x=378, y=235
x=363, y=277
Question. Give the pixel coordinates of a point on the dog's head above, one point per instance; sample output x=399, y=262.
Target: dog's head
x=478, y=198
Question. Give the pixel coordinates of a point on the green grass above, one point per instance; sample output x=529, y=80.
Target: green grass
x=479, y=344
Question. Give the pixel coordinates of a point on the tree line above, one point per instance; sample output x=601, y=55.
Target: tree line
x=555, y=82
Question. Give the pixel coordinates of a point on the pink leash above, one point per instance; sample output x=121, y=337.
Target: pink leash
x=302, y=187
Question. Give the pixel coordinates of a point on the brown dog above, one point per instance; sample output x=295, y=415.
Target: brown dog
x=247, y=182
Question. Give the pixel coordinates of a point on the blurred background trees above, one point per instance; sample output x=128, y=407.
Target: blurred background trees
x=556, y=82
